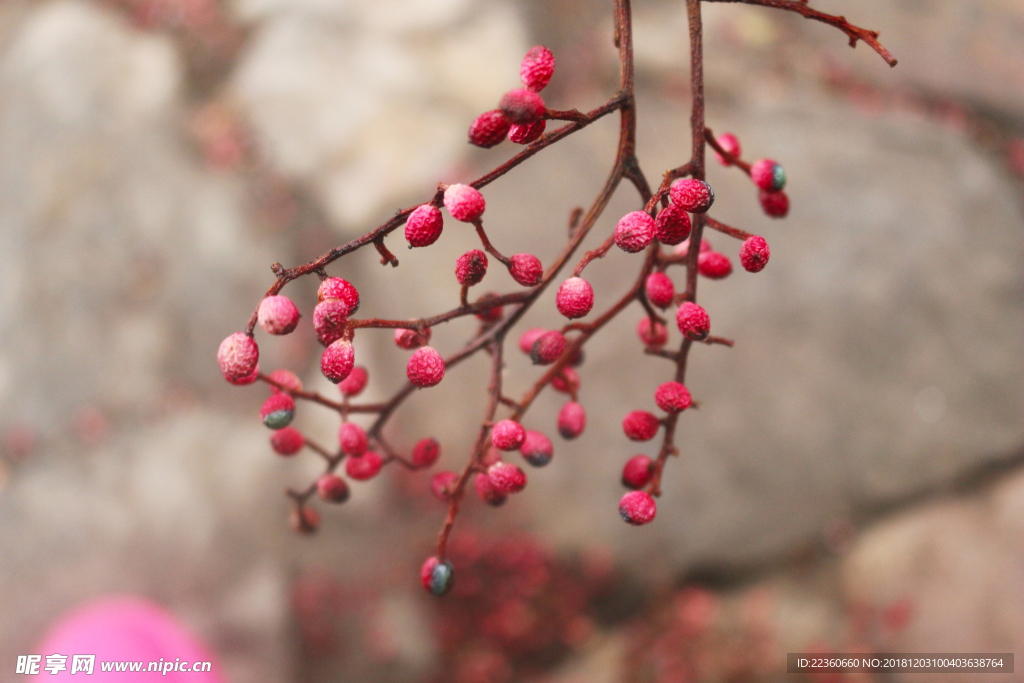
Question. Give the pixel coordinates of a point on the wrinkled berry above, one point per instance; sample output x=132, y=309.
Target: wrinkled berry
x=537, y=68
x=714, y=265
x=660, y=290
x=672, y=397
x=424, y=225
x=691, y=195
x=287, y=441
x=754, y=254
x=572, y=420
x=332, y=489
x=329, y=318
x=337, y=288
x=693, y=321
x=471, y=267
x=337, y=361
x=537, y=448
x=548, y=348
x=575, y=298
x=526, y=269
x=507, y=435
x=506, y=478
x=352, y=439
x=522, y=106
x=672, y=225
x=364, y=467
x=278, y=315
x=637, y=472
x=437, y=576
x=411, y=339
x=525, y=133
x=464, y=203
x=634, y=232
x=488, y=129
x=639, y=425
x=425, y=453
x=637, y=508
x=237, y=357
x=248, y=379
x=425, y=367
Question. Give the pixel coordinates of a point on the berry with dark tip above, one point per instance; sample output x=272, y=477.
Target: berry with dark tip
x=693, y=321
x=754, y=254
x=768, y=175
x=332, y=489
x=637, y=508
x=437, y=576
x=691, y=195
x=425, y=453
x=572, y=420
x=537, y=448
x=471, y=267
x=548, y=348
x=278, y=411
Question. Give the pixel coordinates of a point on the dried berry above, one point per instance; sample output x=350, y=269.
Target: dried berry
x=425, y=453
x=730, y=144
x=575, y=298
x=490, y=495
x=464, y=203
x=656, y=336
x=754, y=254
x=522, y=106
x=692, y=195
x=285, y=378
x=408, y=339
x=567, y=381
x=537, y=448
x=572, y=420
x=507, y=435
x=506, y=478
x=423, y=226
x=329, y=318
x=237, y=357
x=364, y=467
x=527, y=339
x=332, y=489
x=693, y=321
x=714, y=265
x=672, y=397
x=537, y=68
x=526, y=269
x=287, y=441
x=338, y=360
x=337, y=288
x=775, y=204
x=425, y=367
x=637, y=508
x=768, y=175
x=672, y=225
x=548, y=348
x=248, y=379
x=634, y=232
x=352, y=439
x=278, y=315
x=488, y=129
x=304, y=520
x=354, y=384
x=471, y=267
x=639, y=425
x=443, y=485
x=525, y=133
x=660, y=290
x=637, y=472
x=278, y=411
x=437, y=576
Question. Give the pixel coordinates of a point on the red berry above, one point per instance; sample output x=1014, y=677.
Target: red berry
x=332, y=489
x=754, y=254
x=425, y=453
x=714, y=265
x=507, y=435
x=425, y=367
x=655, y=337
x=278, y=411
x=237, y=357
x=492, y=314
x=490, y=456
x=471, y=267
x=672, y=225
x=364, y=467
x=637, y=472
x=287, y=441
x=527, y=339
x=487, y=492
x=411, y=339
x=730, y=144
x=548, y=348
x=639, y=425
x=285, y=378
x=506, y=478
x=660, y=290
x=634, y=232
x=464, y=203
x=567, y=381
x=768, y=175
x=278, y=315
x=537, y=448
x=684, y=247
x=329, y=318
x=692, y=195
x=437, y=576
x=575, y=298
x=572, y=420
x=693, y=321
x=337, y=288
x=443, y=485
x=775, y=204
x=248, y=379
x=526, y=269
x=672, y=397
x=424, y=225
x=304, y=520
x=522, y=106
x=537, y=68
x=337, y=361
x=354, y=384
x=352, y=439
x=488, y=129
x=637, y=508
x=525, y=133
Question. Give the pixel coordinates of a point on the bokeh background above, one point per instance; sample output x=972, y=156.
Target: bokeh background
x=851, y=480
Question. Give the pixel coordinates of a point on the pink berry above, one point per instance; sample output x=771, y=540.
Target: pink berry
x=655, y=337
x=464, y=203
x=527, y=339
x=522, y=106
x=526, y=269
x=507, y=435
x=537, y=448
x=485, y=489
x=425, y=367
x=684, y=247
x=548, y=348
x=575, y=298
x=639, y=425
x=490, y=456
x=537, y=68
x=566, y=382
x=364, y=467
x=425, y=453
x=278, y=315
x=352, y=439
x=423, y=226
x=672, y=397
x=637, y=472
x=693, y=321
x=287, y=441
x=437, y=576
x=634, y=232
x=285, y=378
x=637, y=508
x=471, y=267
x=490, y=314
x=329, y=319
x=278, y=411
x=525, y=133
x=672, y=225
x=775, y=204
x=754, y=254
x=237, y=356
x=714, y=265
x=332, y=489
x=488, y=129
x=411, y=339
x=443, y=485
x=572, y=420
x=337, y=288
x=304, y=520
x=768, y=175
x=506, y=478
x=248, y=379
x=354, y=384
x=660, y=290
x=692, y=195
x=731, y=144
x=337, y=361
